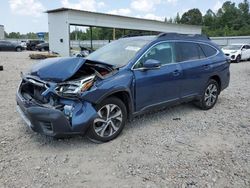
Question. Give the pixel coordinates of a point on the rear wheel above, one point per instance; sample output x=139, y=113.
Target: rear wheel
x=111, y=119
x=43, y=50
x=210, y=95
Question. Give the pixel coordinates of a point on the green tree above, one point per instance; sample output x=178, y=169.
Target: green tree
x=177, y=19
x=244, y=11
x=209, y=18
x=14, y=35
x=228, y=20
x=192, y=16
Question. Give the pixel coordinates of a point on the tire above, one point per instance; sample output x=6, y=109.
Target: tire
x=238, y=59
x=105, y=128
x=33, y=48
x=210, y=95
x=43, y=50
x=18, y=49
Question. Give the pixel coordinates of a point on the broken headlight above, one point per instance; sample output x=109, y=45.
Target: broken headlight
x=75, y=87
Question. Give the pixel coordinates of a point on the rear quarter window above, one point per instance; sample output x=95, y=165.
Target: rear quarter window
x=208, y=50
x=186, y=51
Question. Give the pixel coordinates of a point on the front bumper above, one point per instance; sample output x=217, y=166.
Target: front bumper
x=53, y=122
x=232, y=57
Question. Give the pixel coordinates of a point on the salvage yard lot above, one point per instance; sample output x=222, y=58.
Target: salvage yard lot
x=180, y=146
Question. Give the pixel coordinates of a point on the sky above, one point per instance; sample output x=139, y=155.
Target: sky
x=28, y=15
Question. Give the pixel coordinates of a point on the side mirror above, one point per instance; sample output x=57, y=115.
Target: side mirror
x=151, y=64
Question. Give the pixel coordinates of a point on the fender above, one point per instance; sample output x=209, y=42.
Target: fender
x=107, y=87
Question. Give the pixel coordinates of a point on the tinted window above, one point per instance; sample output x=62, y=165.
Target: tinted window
x=163, y=52
x=208, y=50
x=247, y=47
x=186, y=51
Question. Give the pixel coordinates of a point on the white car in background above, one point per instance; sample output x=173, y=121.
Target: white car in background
x=237, y=52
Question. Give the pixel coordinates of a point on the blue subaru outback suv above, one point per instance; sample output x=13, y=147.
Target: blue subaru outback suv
x=96, y=95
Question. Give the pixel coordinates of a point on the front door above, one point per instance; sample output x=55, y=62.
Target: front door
x=159, y=85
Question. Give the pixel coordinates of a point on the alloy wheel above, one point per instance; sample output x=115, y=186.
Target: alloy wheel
x=211, y=94
x=109, y=120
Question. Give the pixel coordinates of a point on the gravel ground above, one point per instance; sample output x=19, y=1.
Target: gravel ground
x=175, y=147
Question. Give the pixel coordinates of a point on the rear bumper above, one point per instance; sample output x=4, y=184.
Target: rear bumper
x=53, y=122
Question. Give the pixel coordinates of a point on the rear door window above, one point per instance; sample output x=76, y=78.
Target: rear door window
x=208, y=50
x=186, y=51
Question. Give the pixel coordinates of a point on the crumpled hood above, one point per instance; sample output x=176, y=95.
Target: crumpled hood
x=57, y=69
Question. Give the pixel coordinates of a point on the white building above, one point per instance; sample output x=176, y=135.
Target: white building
x=1, y=32
x=61, y=19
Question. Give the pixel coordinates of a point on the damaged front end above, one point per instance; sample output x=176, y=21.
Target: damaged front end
x=52, y=104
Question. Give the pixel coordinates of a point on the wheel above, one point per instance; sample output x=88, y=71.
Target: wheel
x=43, y=50
x=33, y=48
x=238, y=58
x=210, y=95
x=18, y=49
x=112, y=116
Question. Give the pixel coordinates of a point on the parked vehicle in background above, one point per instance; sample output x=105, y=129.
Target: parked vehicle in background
x=31, y=44
x=83, y=53
x=10, y=46
x=237, y=52
x=23, y=44
x=130, y=76
x=43, y=47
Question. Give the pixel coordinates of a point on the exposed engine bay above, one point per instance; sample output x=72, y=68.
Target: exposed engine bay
x=61, y=95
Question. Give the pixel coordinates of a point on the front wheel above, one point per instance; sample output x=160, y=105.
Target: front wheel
x=210, y=95
x=238, y=58
x=111, y=119
x=18, y=49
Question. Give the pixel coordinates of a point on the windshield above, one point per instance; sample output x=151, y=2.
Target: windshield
x=118, y=53
x=232, y=47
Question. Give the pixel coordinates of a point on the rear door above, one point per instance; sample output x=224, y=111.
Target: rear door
x=195, y=67
x=160, y=85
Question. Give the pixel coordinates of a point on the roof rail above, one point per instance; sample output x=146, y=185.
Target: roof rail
x=183, y=36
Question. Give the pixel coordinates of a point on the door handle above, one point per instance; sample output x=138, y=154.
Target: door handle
x=206, y=67
x=176, y=73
